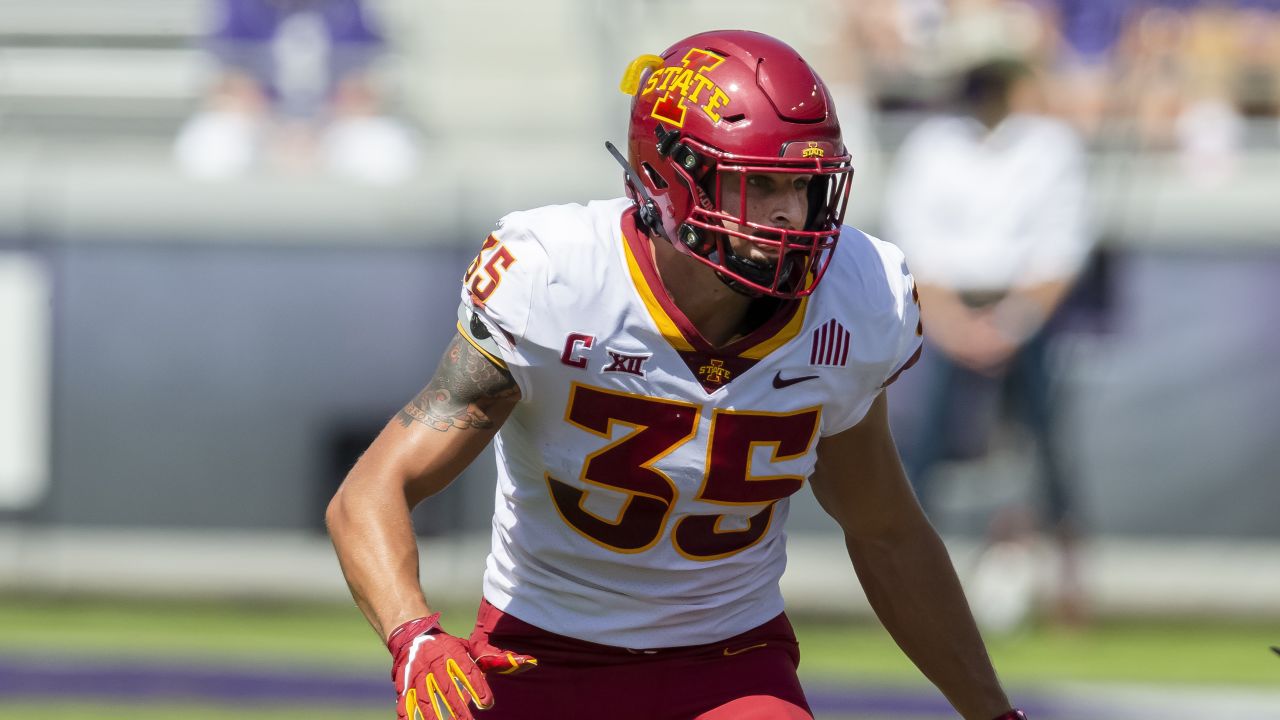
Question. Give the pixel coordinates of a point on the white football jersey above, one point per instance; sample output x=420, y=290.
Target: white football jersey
x=643, y=479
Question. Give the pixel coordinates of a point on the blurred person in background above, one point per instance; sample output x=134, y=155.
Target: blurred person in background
x=910, y=48
x=1083, y=67
x=979, y=29
x=1200, y=75
x=667, y=369
x=893, y=43
x=1257, y=48
x=295, y=92
x=989, y=205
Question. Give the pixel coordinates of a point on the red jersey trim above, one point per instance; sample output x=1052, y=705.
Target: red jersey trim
x=676, y=327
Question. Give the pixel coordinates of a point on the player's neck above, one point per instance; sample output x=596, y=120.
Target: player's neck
x=715, y=310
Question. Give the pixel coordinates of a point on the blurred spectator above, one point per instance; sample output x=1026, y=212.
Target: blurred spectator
x=910, y=48
x=1257, y=78
x=1199, y=75
x=1181, y=68
x=893, y=43
x=295, y=92
x=989, y=205
x=979, y=29
x=1083, y=59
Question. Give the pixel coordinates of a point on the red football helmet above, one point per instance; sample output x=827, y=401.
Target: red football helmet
x=712, y=109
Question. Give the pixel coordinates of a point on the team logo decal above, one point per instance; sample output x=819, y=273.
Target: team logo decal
x=623, y=363
x=780, y=382
x=829, y=345
x=575, y=347
x=687, y=83
x=813, y=150
x=714, y=372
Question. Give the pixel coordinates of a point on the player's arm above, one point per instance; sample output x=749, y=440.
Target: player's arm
x=419, y=452
x=902, y=564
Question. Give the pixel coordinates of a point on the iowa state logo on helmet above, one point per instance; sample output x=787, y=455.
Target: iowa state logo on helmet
x=687, y=84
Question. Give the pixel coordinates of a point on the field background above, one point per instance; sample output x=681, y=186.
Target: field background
x=189, y=366
x=152, y=659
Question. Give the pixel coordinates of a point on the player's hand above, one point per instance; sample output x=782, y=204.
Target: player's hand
x=434, y=674
x=491, y=659
x=986, y=350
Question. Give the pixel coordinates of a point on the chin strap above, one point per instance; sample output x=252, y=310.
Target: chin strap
x=1014, y=714
x=759, y=273
x=647, y=210
x=753, y=271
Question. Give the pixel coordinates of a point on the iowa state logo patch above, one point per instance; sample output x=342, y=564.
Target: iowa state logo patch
x=687, y=84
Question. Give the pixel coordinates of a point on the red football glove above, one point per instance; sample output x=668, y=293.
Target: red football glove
x=434, y=674
x=504, y=662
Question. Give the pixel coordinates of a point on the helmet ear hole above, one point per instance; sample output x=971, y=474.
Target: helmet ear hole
x=654, y=176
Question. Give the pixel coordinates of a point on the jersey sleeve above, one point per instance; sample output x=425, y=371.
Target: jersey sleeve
x=910, y=341
x=499, y=291
x=880, y=305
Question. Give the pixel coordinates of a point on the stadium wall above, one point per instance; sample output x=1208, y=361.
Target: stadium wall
x=219, y=354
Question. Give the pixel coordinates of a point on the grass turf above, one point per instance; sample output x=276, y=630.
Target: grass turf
x=1208, y=653
x=327, y=637
x=114, y=711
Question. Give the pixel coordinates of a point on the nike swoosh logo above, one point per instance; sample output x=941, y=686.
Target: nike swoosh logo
x=739, y=651
x=780, y=382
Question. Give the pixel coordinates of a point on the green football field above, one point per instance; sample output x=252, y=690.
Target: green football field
x=334, y=642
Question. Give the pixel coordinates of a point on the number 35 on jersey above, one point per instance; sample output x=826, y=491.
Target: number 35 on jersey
x=655, y=427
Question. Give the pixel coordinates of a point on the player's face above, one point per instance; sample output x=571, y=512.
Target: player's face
x=779, y=200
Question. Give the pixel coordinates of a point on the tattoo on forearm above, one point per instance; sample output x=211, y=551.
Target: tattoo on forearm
x=463, y=389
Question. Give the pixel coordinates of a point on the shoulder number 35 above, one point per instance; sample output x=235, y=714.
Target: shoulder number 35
x=660, y=426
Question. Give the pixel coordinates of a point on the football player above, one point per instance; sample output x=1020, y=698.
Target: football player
x=667, y=369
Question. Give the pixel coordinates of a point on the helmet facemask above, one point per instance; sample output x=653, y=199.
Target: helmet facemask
x=800, y=254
